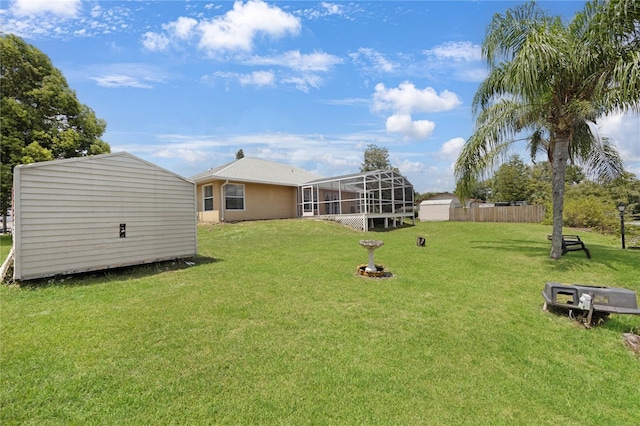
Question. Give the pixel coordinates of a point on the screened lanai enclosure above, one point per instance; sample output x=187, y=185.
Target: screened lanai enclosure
x=361, y=201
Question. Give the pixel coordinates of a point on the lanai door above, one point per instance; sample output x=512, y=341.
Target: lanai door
x=308, y=200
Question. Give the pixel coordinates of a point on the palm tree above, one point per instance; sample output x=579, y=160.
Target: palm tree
x=548, y=84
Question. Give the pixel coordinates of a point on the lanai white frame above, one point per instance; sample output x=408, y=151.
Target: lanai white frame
x=358, y=199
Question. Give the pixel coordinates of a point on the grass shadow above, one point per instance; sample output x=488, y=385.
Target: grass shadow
x=622, y=324
x=390, y=228
x=105, y=276
x=520, y=246
x=607, y=256
x=612, y=258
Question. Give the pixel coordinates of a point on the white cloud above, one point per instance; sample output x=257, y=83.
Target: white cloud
x=427, y=178
x=380, y=63
x=472, y=74
x=96, y=11
x=348, y=101
x=463, y=51
x=451, y=149
x=317, y=61
x=132, y=75
x=307, y=65
x=325, y=9
x=59, y=19
x=258, y=78
x=120, y=80
x=304, y=82
x=154, y=41
x=406, y=98
x=68, y=8
x=337, y=160
x=236, y=30
x=402, y=123
x=188, y=155
x=331, y=8
x=624, y=130
x=459, y=59
x=407, y=167
x=182, y=28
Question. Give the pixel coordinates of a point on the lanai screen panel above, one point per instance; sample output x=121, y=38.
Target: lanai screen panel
x=380, y=191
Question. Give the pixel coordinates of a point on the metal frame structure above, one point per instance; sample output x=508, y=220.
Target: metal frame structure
x=357, y=200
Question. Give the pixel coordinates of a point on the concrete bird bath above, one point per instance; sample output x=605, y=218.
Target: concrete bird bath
x=371, y=269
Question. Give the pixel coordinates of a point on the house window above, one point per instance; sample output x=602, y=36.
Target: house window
x=234, y=197
x=207, y=194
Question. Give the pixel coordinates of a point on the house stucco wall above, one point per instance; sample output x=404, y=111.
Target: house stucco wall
x=261, y=201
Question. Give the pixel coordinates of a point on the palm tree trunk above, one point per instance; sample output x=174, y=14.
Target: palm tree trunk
x=559, y=167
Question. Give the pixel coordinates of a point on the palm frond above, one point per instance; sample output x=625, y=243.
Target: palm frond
x=595, y=153
x=497, y=128
x=539, y=142
x=506, y=33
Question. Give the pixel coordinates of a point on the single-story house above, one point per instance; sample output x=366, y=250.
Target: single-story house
x=436, y=208
x=249, y=189
x=99, y=212
x=254, y=189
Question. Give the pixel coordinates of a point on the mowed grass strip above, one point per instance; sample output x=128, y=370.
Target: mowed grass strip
x=273, y=326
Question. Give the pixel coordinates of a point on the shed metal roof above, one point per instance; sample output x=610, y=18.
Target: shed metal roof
x=436, y=202
x=98, y=158
x=256, y=170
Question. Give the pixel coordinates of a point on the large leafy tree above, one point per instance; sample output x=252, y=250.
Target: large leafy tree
x=548, y=83
x=512, y=181
x=40, y=116
x=376, y=158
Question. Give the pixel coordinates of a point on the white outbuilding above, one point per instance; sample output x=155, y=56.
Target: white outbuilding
x=99, y=212
x=436, y=208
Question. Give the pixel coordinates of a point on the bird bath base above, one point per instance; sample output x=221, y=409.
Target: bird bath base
x=378, y=273
x=365, y=271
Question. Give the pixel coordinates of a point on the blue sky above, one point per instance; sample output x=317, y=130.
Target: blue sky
x=186, y=84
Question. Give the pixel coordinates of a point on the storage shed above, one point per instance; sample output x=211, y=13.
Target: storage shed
x=434, y=210
x=99, y=212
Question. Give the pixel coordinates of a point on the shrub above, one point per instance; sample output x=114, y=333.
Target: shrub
x=590, y=212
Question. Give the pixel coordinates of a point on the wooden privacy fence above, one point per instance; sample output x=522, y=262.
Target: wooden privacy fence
x=530, y=214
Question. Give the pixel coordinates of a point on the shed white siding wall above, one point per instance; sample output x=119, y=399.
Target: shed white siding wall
x=434, y=210
x=68, y=215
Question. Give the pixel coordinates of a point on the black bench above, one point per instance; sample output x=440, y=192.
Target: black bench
x=572, y=243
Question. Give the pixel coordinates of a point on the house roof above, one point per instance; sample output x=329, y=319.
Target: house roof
x=249, y=169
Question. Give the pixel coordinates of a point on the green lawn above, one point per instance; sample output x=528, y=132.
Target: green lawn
x=273, y=326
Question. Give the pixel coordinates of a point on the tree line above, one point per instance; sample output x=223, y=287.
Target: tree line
x=589, y=202
x=41, y=118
